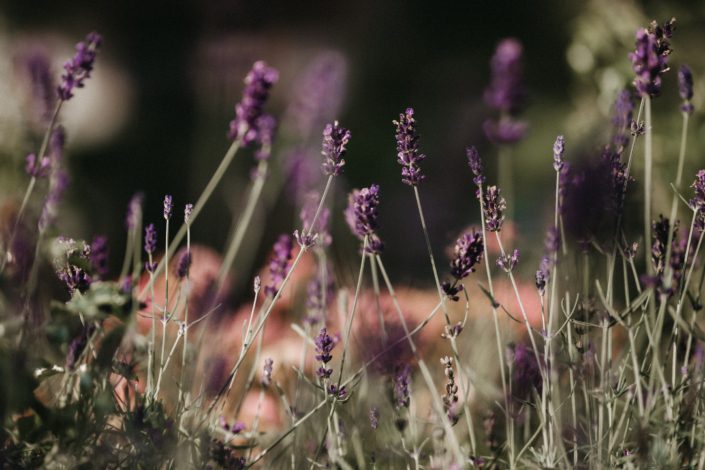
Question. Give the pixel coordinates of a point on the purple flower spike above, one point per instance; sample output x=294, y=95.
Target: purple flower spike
x=35, y=168
x=188, y=210
x=75, y=278
x=267, y=127
x=374, y=417
x=650, y=58
x=698, y=201
x=543, y=275
x=494, y=206
x=685, y=88
x=475, y=163
x=134, y=211
x=99, y=256
x=506, y=90
x=402, y=379
x=508, y=262
x=150, y=244
x=183, y=264
x=504, y=131
x=168, y=207
x=558, y=151
x=267, y=373
x=258, y=82
x=408, y=154
x=468, y=253
x=279, y=265
x=335, y=140
x=361, y=216
x=58, y=180
x=324, y=345
x=79, y=68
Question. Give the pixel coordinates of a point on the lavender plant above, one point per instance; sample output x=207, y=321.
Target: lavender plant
x=599, y=352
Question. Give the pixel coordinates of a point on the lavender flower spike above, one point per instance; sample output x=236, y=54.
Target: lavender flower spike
x=79, y=68
x=168, y=207
x=506, y=90
x=408, y=154
x=685, y=88
x=258, y=82
x=324, y=345
x=134, y=211
x=650, y=58
x=335, y=138
x=361, y=216
x=468, y=253
x=493, y=206
x=278, y=266
x=697, y=202
x=402, y=378
x=150, y=244
x=267, y=372
x=99, y=256
x=475, y=163
x=558, y=151
x=188, y=210
x=508, y=262
x=36, y=168
x=183, y=264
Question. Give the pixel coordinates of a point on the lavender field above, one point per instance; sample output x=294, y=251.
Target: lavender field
x=371, y=236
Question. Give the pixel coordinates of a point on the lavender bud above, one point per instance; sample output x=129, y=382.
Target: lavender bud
x=408, y=155
x=558, y=151
x=188, y=210
x=257, y=284
x=697, y=202
x=99, y=256
x=35, y=168
x=168, y=207
x=468, y=252
x=278, y=266
x=258, y=82
x=324, y=345
x=183, y=264
x=493, y=206
x=267, y=372
x=505, y=92
x=475, y=163
x=79, y=68
x=361, y=216
x=508, y=262
x=650, y=58
x=685, y=88
x=374, y=417
x=402, y=378
x=543, y=274
x=335, y=140
x=134, y=211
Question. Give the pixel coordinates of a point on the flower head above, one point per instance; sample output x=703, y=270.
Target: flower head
x=134, y=211
x=558, y=151
x=543, y=274
x=75, y=278
x=506, y=89
x=58, y=180
x=258, y=83
x=650, y=58
x=361, y=216
x=267, y=372
x=685, y=88
x=80, y=66
x=408, y=154
x=475, y=163
x=402, y=379
x=493, y=206
x=267, y=127
x=168, y=207
x=37, y=168
x=183, y=264
x=508, y=262
x=99, y=256
x=279, y=264
x=468, y=252
x=150, y=245
x=188, y=210
x=335, y=140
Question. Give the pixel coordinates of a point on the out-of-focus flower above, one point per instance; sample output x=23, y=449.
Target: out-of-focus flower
x=505, y=92
x=504, y=131
x=267, y=127
x=558, y=153
x=526, y=372
x=134, y=211
x=37, y=168
x=475, y=164
x=183, y=263
x=278, y=266
x=99, y=256
x=408, y=154
x=80, y=66
x=685, y=88
x=402, y=380
x=267, y=372
x=58, y=180
x=374, y=417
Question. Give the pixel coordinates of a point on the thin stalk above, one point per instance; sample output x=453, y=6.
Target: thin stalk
x=648, y=157
x=243, y=223
x=184, y=351
x=453, y=341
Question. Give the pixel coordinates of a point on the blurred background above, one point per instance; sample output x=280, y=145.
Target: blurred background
x=154, y=117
